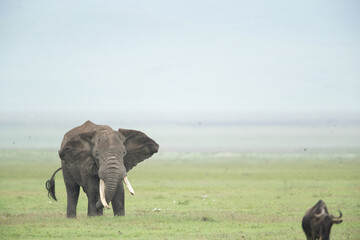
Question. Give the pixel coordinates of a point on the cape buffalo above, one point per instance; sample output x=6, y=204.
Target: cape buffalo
x=317, y=222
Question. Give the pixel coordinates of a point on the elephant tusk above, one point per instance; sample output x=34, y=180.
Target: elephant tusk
x=128, y=185
x=102, y=194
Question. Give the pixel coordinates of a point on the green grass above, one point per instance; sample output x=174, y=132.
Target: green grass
x=201, y=196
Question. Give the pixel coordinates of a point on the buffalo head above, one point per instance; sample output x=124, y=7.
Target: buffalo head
x=317, y=222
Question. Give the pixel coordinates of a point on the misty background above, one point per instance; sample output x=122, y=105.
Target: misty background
x=213, y=76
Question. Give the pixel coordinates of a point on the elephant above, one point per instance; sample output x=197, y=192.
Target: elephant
x=97, y=158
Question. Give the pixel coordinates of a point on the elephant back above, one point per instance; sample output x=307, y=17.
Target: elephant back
x=77, y=144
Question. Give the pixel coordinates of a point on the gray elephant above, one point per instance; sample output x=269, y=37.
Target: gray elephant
x=97, y=158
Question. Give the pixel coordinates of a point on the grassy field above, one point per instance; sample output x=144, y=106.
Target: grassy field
x=187, y=196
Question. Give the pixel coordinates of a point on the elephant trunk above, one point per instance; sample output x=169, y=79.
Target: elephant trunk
x=112, y=178
x=112, y=175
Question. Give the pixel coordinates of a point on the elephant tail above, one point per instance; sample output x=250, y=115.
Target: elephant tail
x=50, y=186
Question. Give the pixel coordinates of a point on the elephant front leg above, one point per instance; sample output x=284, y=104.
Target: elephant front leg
x=118, y=201
x=92, y=210
x=92, y=193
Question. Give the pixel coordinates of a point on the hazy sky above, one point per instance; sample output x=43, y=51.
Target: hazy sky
x=180, y=55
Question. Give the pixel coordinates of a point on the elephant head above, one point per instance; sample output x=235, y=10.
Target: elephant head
x=114, y=153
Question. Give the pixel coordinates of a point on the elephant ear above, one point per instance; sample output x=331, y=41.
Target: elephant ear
x=138, y=147
x=77, y=142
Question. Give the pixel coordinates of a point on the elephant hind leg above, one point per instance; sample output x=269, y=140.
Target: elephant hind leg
x=72, y=200
x=72, y=191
